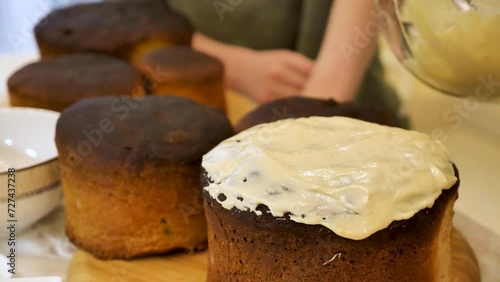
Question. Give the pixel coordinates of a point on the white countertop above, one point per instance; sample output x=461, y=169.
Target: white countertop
x=475, y=147
x=474, y=143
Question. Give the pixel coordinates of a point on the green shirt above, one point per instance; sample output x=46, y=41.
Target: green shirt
x=297, y=25
x=261, y=24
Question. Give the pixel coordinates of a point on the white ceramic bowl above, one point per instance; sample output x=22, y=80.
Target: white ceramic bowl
x=27, y=144
x=34, y=279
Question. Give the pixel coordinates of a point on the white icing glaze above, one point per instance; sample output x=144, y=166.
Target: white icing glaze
x=350, y=176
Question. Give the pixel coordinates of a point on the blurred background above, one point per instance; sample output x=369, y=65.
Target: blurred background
x=17, y=19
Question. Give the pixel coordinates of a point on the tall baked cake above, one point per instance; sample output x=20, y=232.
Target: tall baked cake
x=298, y=107
x=57, y=83
x=130, y=171
x=127, y=29
x=184, y=72
x=329, y=199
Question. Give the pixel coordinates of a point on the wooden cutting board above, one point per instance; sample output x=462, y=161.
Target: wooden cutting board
x=192, y=268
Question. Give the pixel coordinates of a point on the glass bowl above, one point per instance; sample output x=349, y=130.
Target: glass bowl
x=451, y=45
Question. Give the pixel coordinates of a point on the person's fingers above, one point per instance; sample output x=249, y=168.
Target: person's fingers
x=295, y=78
x=285, y=74
x=300, y=63
x=275, y=90
x=282, y=90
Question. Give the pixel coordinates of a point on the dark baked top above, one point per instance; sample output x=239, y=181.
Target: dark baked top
x=132, y=133
x=73, y=77
x=112, y=27
x=179, y=63
x=297, y=107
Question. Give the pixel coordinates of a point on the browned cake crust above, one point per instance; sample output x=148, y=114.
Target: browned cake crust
x=56, y=83
x=184, y=72
x=130, y=171
x=297, y=107
x=117, y=28
x=247, y=247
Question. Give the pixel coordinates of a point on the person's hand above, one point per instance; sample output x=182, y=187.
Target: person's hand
x=261, y=75
x=325, y=85
x=269, y=75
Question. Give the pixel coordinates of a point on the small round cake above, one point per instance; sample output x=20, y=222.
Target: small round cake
x=297, y=107
x=130, y=171
x=56, y=83
x=329, y=199
x=126, y=29
x=184, y=72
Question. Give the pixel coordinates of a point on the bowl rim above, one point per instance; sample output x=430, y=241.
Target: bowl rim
x=41, y=162
x=57, y=183
x=38, y=191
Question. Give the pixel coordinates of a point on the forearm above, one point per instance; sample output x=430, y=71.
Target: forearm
x=229, y=55
x=346, y=52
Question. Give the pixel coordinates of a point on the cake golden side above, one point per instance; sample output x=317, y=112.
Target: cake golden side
x=125, y=221
x=126, y=29
x=130, y=172
x=184, y=72
x=57, y=83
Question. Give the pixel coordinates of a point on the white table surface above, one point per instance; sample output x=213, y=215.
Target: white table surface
x=475, y=147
